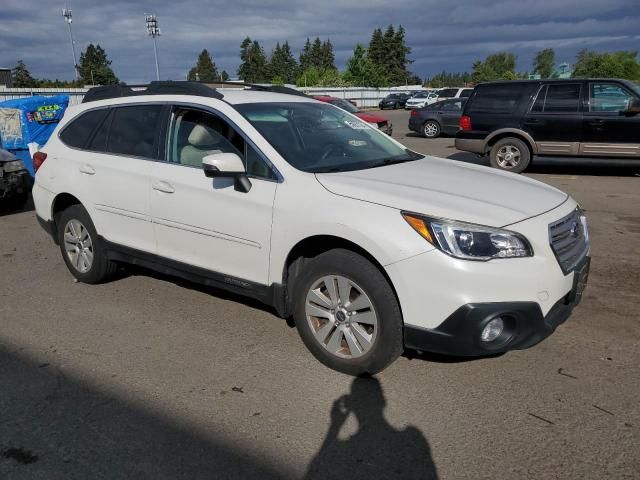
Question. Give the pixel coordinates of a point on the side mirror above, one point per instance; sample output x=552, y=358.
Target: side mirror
x=633, y=107
x=229, y=165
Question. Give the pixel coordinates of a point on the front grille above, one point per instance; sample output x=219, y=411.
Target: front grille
x=569, y=240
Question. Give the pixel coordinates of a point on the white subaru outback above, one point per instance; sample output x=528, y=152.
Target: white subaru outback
x=370, y=247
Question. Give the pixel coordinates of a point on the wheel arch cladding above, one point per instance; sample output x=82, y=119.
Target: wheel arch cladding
x=60, y=203
x=313, y=246
x=514, y=134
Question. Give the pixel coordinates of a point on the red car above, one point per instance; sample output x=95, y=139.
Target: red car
x=382, y=123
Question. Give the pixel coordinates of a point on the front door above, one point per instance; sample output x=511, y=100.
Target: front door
x=205, y=222
x=555, y=120
x=607, y=130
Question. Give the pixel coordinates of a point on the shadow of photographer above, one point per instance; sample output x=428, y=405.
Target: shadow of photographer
x=376, y=450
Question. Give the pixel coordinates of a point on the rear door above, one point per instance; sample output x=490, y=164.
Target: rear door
x=555, y=118
x=607, y=130
x=450, y=112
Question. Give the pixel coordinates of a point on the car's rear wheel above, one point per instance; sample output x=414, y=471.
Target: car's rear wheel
x=510, y=154
x=80, y=246
x=431, y=129
x=347, y=314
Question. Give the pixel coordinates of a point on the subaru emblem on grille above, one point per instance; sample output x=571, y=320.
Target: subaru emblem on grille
x=575, y=228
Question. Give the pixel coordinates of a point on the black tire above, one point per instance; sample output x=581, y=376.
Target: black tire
x=436, y=132
x=101, y=267
x=388, y=343
x=395, y=106
x=502, y=147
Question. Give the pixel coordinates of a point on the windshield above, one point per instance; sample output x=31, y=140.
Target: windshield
x=343, y=104
x=421, y=95
x=316, y=137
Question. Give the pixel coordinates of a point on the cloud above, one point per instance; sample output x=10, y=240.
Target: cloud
x=443, y=35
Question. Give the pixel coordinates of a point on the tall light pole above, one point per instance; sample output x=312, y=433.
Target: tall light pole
x=68, y=18
x=154, y=31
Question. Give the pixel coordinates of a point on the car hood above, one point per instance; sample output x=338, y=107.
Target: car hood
x=448, y=189
x=368, y=117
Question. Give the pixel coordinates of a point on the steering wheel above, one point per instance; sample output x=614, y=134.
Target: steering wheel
x=329, y=149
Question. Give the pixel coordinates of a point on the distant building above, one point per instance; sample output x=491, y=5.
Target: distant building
x=5, y=77
x=534, y=76
x=563, y=71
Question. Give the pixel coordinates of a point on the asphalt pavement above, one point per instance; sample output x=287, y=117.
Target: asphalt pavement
x=148, y=376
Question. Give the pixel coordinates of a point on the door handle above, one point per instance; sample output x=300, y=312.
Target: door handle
x=596, y=123
x=531, y=121
x=87, y=169
x=163, y=186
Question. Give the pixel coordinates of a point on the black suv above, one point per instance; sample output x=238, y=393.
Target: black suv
x=512, y=121
x=394, y=100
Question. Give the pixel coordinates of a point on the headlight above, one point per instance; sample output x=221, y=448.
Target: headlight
x=469, y=241
x=13, y=166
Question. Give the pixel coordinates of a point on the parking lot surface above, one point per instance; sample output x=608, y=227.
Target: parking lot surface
x=148, y=376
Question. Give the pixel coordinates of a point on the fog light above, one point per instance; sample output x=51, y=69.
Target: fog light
x=492, y=330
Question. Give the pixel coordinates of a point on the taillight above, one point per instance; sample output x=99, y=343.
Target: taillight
x=465, y=123
x=414, y=113
x=38, y=160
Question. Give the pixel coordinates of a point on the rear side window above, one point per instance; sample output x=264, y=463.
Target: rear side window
x=558, y=98
x=447, y=93
x=134, y=130
x=77, y=133
x=497, y=99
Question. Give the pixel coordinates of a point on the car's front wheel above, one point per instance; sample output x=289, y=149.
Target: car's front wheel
x=80, y=246
x=510, y=154
x=346, y=313
x=431, y=129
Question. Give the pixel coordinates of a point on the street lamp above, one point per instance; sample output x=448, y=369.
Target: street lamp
x=68, y=18
x=154, y=31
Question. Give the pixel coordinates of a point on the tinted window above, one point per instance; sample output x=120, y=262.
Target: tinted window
x=562, y=97
x=447, y=93
x=99, y=141
x=134, y=130
x=78, y=131
x=498, y=99
x=452, y=105
x=194, y=134
x=608, y=97
x=466, y=93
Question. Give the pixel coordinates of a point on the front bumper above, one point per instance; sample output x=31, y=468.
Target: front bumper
x=15, y=184
x=459, y=335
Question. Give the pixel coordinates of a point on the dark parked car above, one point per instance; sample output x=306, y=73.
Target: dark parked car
x=437, y=118
x=394, y=100
x=513, y=121
x=15, y=182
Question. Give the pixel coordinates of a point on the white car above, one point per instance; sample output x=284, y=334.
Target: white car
x=370, y=247
x=447, y=93
x=420, y=100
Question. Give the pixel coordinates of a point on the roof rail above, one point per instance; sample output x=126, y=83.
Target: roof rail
x=275, y=89
x=153, y=88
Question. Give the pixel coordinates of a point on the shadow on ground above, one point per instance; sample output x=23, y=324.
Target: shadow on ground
x=7, y=207
x=377, y=450
x=55, y=427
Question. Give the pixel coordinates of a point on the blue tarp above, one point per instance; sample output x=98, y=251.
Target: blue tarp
x=29, y=119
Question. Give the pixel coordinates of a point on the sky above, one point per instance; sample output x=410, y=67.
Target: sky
x=444, y=35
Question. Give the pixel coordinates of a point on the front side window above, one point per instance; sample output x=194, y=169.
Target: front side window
x=194, y=134
x=608, y=97
x=134, y=130
x=321, y=138
x=77, y=133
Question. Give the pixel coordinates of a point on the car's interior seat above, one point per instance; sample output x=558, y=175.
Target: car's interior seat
x=202, y=141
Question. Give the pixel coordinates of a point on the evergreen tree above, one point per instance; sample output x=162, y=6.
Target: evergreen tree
x=94, y=67
x=22, y=77
x=224, y=75
x=305, y=56
x=282, y=65
x=254, y=66
x=328, y=58
x=376, y=51
x=544, y=62
x=361, y=71
x=205, y=69
x=315, y=56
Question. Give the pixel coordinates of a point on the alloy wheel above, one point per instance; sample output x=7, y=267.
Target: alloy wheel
x=508, y=156
x=430, y=129
x=78, y=246
x=341, y=316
